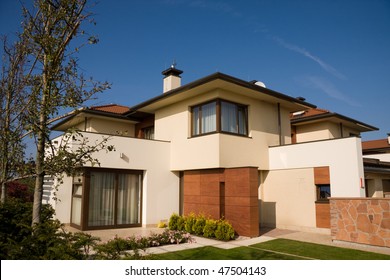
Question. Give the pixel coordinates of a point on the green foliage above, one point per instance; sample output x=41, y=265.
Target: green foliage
x=224, y=231
x=173, y=221
x=181, y=222
x=210, y=228
x=202, y=226
x=49, y=241
x=189, y=222
x=46, y=240
x=199, y=224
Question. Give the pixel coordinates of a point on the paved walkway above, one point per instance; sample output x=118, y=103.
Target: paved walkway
x=266, y=235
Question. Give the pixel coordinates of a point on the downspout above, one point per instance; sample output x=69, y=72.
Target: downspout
x=279, y=126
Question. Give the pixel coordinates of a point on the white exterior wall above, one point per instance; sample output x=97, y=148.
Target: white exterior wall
x=317, y=131
x=160, y=185
x=343, y=156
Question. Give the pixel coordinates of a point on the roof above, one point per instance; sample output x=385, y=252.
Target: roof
x=111, y=108
x=317, y=114
x=77, y=116
x=376, y=146
x=220, y=80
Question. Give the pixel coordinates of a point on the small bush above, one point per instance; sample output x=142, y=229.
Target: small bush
x=173, y=221
x=181, y=223
x=199, y=224
x=224, y=231
x=189, y=222
x=209, y=228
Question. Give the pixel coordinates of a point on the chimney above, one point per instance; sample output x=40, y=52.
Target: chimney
x=172, y=78
x=388, y=138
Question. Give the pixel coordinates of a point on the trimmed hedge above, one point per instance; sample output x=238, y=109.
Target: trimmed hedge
x=202, y=226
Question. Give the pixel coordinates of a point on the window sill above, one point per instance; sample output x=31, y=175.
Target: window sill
x=222, y=132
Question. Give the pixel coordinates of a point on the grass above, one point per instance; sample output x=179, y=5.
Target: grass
x=278, y=249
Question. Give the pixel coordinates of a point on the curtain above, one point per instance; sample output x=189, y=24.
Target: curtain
x=195, y=121
x=209, y=118
x=101, y=199
x=129, y=199
x=229, y=117
x=242, y=122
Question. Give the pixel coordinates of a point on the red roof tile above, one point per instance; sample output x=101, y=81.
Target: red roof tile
x=308, y=113
x=112, y=108
x=375, y=144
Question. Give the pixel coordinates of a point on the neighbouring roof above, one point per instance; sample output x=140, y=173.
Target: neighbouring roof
x=111, y=108
x=376, y=146
x=316, y=114
x=77, y=116
x=376, y=166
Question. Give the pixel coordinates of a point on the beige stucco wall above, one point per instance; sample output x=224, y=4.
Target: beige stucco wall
x=153, y=158
x=110, y=127
x=322, y=131
x=343, y=156
x=317, y=131
x=375, y=184
x=287, y=199
x=173, y=124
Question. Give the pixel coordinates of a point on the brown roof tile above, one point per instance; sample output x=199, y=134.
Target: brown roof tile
x=375, y=144
x=112, y=108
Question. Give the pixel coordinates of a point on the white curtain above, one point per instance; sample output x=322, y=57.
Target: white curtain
x=242, y=122
x=209, y=118
x=195, y=121
x=129, y=199
x=101, y=199
x=229, y=117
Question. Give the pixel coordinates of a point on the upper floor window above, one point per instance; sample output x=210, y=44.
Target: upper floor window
x=219, y=116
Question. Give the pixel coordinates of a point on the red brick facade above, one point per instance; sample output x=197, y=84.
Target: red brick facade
x=231, y=193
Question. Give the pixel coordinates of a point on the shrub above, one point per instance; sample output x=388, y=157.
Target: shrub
x=224, y=231
x=199, y=224
x=209, y=228
x=181, y=223
x=173, y=221
x=189, y=222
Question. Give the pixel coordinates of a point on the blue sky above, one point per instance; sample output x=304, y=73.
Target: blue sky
x=336, y=54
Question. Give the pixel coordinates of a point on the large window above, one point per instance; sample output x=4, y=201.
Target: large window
x=219, y=116
x=114, y=199
x=106, y=198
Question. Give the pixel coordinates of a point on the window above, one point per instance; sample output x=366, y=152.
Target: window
x=323, y=192
x=148, y=132
x=219, y=116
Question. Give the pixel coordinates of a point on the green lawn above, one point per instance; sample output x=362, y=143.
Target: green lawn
x=278, y=249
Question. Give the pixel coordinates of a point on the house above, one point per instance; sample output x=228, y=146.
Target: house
x=220, y=146
x=376, y=159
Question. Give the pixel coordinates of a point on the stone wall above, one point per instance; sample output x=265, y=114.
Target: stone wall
x=361, y=220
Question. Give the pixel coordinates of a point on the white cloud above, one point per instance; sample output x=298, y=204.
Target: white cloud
x=307, y=54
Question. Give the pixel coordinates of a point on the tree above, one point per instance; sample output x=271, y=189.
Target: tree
x=55, y=82
x=12, y=97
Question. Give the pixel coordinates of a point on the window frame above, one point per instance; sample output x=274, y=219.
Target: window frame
x=318, y=193
x=218, y=111
x=86, y=193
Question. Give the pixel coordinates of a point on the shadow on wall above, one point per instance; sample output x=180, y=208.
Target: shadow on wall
x=267, y=214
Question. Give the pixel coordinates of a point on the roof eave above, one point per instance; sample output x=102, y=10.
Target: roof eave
x=226, y=78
